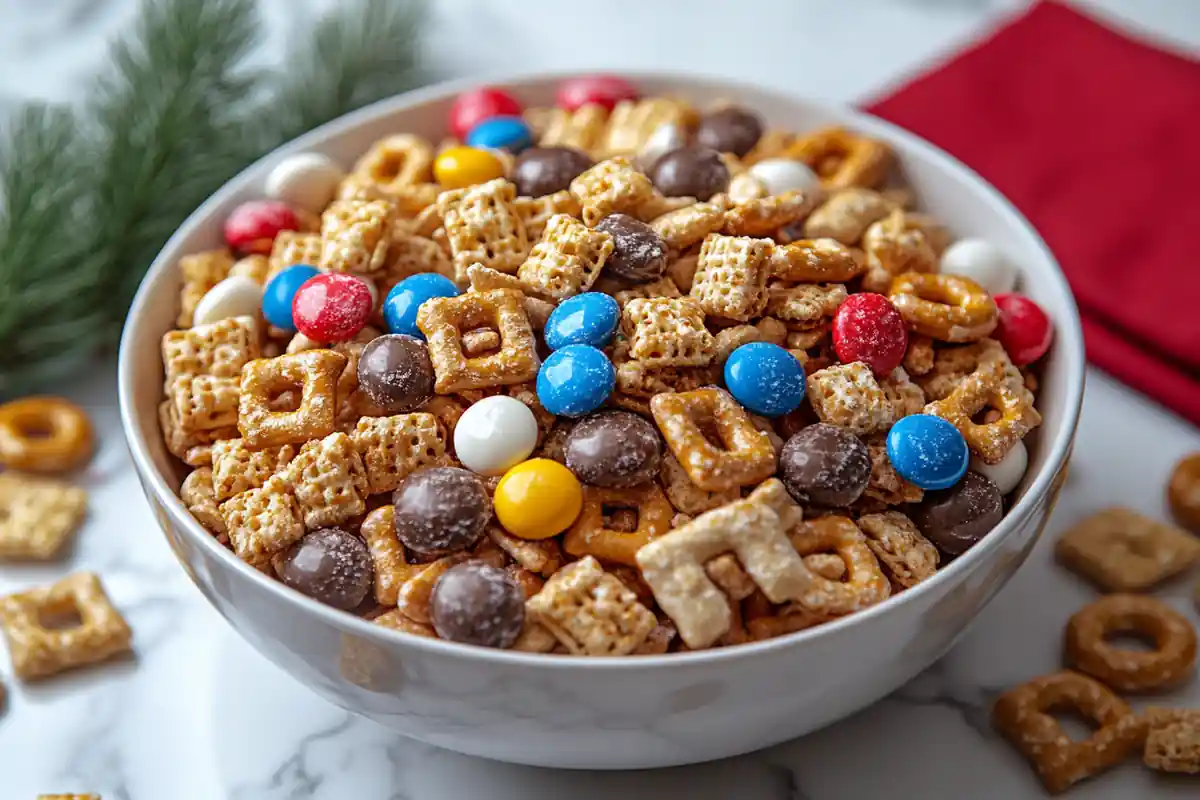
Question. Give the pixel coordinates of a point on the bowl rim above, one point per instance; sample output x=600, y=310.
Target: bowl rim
x=1068, y=341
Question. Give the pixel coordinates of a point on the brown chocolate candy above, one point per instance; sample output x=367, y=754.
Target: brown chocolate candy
x=475, y=603
x=441, y=510
x=692, y=171
x=955, y=519
x=330, y=565
x=616, y=449
x=540, y=171
x=639, y=253
x=730, y=130
x=395, y=373
x=825, y=465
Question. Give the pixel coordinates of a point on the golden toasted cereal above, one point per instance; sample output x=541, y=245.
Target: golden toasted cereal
x=895, y=245
x=394, y=447
x=906, y=397
x=666, y=332
x=443, y=320
x=567, y=260
x=203, y=402
x=745, y=456
x=591, y=612
x=254, y=266
x=905, y=555
x=686, y=496
x=611, y=187
x=731, y=276
x=849, y=396
x=688, y=226
x=314, y=374
x=663, y=287
x=593, y=534
x=236, y=468
x=535, y=212
x=198, y=495
x=291, y=248
x=805, y=304
x=632, y=122
x=846, y=215
x=1120, y=550
x=329, y=481
x=1173, y=740
x=483, y=226
x=200, y=272
x=581, y=129
x=409, y=255
x=263, y=522
x=918, y=358
x=38, y=516
x=949, y=366
x=1088, y=649
x=885, y=484
x=762, y=216
x=355, y=235
x=219, y=349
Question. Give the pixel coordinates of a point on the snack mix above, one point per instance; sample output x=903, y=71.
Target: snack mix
x=618, y=377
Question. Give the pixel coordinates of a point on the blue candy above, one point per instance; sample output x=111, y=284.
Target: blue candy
x=404, y=300
x=575, y=380
x=765, y=378
x=277, y=297
x=928, y=451
x=588, y=318
x=501, y=133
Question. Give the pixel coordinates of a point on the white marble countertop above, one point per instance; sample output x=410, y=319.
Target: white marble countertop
x=198, y=715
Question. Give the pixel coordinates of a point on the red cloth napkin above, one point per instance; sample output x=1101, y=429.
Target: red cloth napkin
x=1096, y=138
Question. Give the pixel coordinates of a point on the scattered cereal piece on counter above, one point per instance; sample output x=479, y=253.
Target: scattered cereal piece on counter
x=1183, y=492
x=1120, y=550
x=37, y=516
x=1173, y=740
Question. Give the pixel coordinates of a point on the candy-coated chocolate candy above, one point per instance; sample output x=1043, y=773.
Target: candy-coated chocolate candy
x=281, y=290
x=476, y=603
x=868, y=328
x=495, y=434
x=330, y=565
x=600, y=90
x=588, y=318
x=304, y=180
x=475, y=105
x=252, y=226
x=825, y=465
x=331, y=307
x=236, y=296
x=691, y=171
x=440, y=510
x=982, y=262
x=765, y=378
x=395, y=373
x=1024, y=329
x=538, y=499
x=501, y=133
x=540, y=171
x=781, y=175
x=458, y=167
x=616, y=449
x=954, y=519
x=666, y=137
x=639, y=253
x=732, y=129
x=1008, y=473
x=928, y=451
x=575, y=380
x=404, y=300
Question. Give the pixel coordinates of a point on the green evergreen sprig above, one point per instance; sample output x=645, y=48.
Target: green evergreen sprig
x=90, y=194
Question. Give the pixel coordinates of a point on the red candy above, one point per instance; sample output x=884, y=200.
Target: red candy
x=1023, y=329
x=475, y=105
x=331, y=307
x=601, y=90
x=868, y=328
x=252, y=226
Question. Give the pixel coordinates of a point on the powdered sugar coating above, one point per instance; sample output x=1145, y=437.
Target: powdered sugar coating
x=330, y=565
x=474, y=603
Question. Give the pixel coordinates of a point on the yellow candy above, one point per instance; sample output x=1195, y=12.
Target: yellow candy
x=537, y=499
x=458, y=167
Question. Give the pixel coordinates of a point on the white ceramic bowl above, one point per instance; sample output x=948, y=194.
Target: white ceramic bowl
x=651, y=711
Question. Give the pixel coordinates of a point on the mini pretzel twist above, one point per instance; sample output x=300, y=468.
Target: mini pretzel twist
x=1172, y=660
x=948, y=308
x=843, y=159
x=396, y=162
x=44, y=434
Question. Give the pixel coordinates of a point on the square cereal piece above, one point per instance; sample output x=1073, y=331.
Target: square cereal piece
x=204, y=403
x=731, y=276
x=689, y=225
x=394, y=447
x=219, y=349
x=610, y=187
x=263, y=522
x=444, y=320
x=594, y=534
x=906, y=555
x=483, y=226
x=1173, y=740
x=687, y=497
x=806, y=304
x=37, y=516
x=184, y=445
x=667, y=332
x=633, y=122
x=591, y=612
x=236, y=468
x=329, y=481
x=541, y=556
x=1120, y=550
x=663, y=287
x=355, y=235
x=314, y=373
x=535, y=212
x=200, y=272
x=197, y=494
x=691, y=421
x=906, y=397
x=291, y=248
x=253, y=266
x=39, y=649
x=568, y=258
x=411, y=255
x=885, y=484
x=763, y=216
x=581, y=129
x=847, y=395
x=388, y=557
x=636, y=379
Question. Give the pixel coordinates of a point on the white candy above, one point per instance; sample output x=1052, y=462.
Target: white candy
x=495, y=434
x=982, y=262
x=666, y=137
x=781, y=175
x=305, y=180
x=236, y=296
x=1008, y=473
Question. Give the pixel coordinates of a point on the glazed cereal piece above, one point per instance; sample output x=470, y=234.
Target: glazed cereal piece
x=591, y=612
x=843, y=159
x=731, y=276
x=535, y=212
x=981, y=390
x=202, y=403
x=755, y=530
x=314, y=374
x=291, y=248
x=762, y=216
x=865, y=583
x=1183, y=492
x=847, y=395
x=481, y=279
x=667, y=332
x=388, y=557
x=905, y=396
x=593, y=535
x=236, y=468
x=443, y=320
x=263, y=522
x=329, y=481
x=1119, y=550
x=662, y=288
x=816, y=261
x=567, y=260
x=746, y=456
x=200, y=272
x=611, y=187
x=219, y=349
x=1173, y=740
x=396, y=162
x=541, y=556
x=37, y=651
x=919, y=357
x=636, y=379
x=688, y=226
x=393, y=447
x=729, y=339
x=686, y=496
x=38, y=516
x=906, y=555
x=197, y=494
x=806, y=304
x=1023, y=716
x=846, y=215
x=355, y=235
x=895, y=245
x=396, y=621
x=254, y=266
x=409, y=255
x=581, y=129
x=885, y=484
x=483, y=226
x=181, y=444
x=1088, y=649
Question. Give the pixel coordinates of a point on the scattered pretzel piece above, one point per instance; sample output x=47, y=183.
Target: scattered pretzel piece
x=1172, y=661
